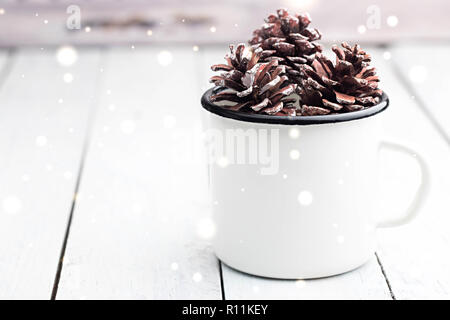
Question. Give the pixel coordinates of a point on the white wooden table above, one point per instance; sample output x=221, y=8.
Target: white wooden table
x=93, y=203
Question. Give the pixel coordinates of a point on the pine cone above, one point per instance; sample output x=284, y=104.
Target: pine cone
x=289, y=40
x=348, y=85
x=254, y=87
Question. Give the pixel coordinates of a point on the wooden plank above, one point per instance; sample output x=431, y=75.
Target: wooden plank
x=364, y=283
x=424, y=69
x=415, y=257
x=42, y=124
x=142, y=205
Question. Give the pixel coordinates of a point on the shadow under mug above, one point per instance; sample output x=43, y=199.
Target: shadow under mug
x=296, y=197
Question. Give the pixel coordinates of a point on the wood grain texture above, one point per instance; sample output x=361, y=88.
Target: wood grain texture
x=425, y=70
x=416, y=256
x=42, y=124
x=142, y=213
x=366, y=282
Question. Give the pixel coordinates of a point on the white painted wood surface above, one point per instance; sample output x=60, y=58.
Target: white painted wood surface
x=425, y=69
x=364, y=283
x=416, y=257
x=40, y=147
x=4, y=58
x=141, y=224
x=138, y=224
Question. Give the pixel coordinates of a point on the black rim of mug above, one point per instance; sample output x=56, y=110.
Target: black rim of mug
x=292, y=120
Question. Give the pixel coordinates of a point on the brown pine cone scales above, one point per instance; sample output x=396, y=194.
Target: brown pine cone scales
x=284, y=72
x=253, y=86
x=288, y=39
x=350, y=84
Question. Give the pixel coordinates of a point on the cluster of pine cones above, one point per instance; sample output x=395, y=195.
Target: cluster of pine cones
x=283, y=72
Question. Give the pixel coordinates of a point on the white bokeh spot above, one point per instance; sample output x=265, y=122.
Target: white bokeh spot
x=294, y=133
x=11, y=204
x=305, y=198
x=128, y=126
x=68, y=77
x=197, y=277
x=66, y=56
x=294, y=154
x=362, y=29
x=392, y=21
x=41, y=141
x=165, y=58
x=223, y=162
x=67, y=175
x=206, y=228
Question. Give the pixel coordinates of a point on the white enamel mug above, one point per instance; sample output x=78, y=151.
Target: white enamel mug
x=296, y=197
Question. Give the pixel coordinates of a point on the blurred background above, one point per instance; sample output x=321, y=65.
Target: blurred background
x=213, y=21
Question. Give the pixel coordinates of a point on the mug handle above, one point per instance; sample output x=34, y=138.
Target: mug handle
x=421, y=193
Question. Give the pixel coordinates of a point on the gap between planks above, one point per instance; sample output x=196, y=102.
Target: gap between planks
x=385, y=277
x=6, y=68
x=420, y=103
x=86, y=142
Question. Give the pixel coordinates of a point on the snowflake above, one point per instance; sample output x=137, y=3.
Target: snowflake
x=361, y=29
x=294, y=133
x=392, y=21
x=11, y=204
x=165, y=58
x=206, y=228
x=68, y=77
x=294, y=154
x=41, y=141
x=305, y=198
x=197, y=277
x=128, y=126
x=66, y=56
